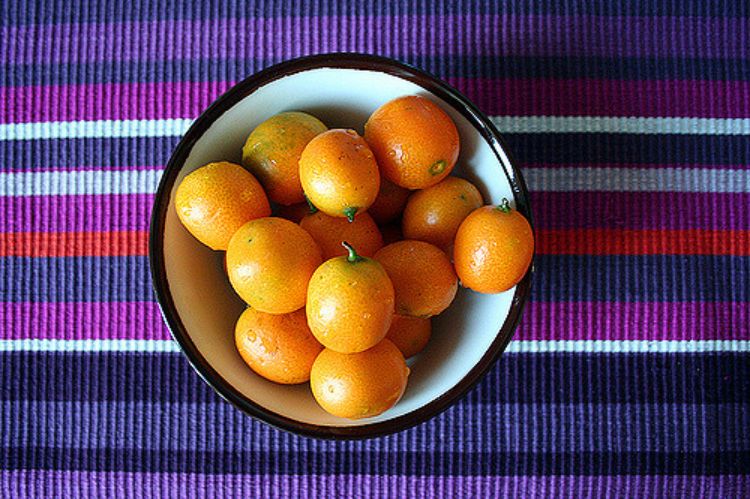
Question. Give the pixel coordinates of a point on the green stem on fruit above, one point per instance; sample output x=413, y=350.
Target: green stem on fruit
x=350, y=212
x=353, y=256
x=438, y=167
x=313, y=209
x=504, y=206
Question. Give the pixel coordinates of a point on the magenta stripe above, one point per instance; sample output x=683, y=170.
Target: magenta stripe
x=109, y=101
x=641, y=210
x=76, y=213
x=519, y=35
x=635, y=321
x=552, y=210
x=541, y=321
x=33, y=483
x=696, y=98
x=598, y=97
x=82, y=321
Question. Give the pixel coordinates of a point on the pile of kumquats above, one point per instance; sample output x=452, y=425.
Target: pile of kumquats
x=369, y=240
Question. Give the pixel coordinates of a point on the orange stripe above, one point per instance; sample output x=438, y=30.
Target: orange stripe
x=549, y=242
x=74, y=243
x=643, y=242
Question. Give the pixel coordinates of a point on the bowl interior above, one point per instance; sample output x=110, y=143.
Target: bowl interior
x=207, y=306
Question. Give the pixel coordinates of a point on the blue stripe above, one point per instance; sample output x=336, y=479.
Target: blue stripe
x=563, y=148
x=86, y=153
x=71, y=279
x=671, y=278
x=532, y=428
x=625, y=68
x=69, y=11
x=664, y=278
x=528, y=378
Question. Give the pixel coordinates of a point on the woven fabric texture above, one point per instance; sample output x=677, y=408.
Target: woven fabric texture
x=630, y=373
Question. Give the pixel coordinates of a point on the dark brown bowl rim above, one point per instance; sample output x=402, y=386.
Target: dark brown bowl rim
x=161, y=202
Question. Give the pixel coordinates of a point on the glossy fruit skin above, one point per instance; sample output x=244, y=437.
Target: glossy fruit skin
x=350, y=304
x=434, y=214
x=339, y=174
x=415, y=142
x=270, y=262
x=390, y=202
x=280, y=347
x=493, y=249
x=272, y=153
x=422, y=276
x=359, y=385
x=215, y=200
x=329, y=232
x=410, y=334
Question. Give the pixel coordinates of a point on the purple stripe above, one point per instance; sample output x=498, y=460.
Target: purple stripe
x=641, y=210
x=635, y=321
x=79, y=213
x=552, y=210
x=82, y=321
x=541, y=321
x=531, y=96
x=33, y=484
x=109, y=101
x=547, y=428
x=505, y=34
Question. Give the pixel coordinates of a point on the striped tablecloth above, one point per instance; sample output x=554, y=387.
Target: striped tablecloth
x=630, y=373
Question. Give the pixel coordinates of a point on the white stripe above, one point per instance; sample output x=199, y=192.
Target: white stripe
x=35, y=345
x=80, y=182
x=637, y=179
x=563, y=179
x=94, y=129
x=570, y=346
x=628, y=346
x=506, y=124
x=616, y=124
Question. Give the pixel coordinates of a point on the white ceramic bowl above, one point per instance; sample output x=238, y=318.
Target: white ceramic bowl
x=200, y=308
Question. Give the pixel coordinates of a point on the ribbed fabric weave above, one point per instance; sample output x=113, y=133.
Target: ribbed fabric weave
x=630, y=373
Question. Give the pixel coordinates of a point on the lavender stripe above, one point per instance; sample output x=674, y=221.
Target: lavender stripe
x=511, y=34
x=81, y=321
x=547, y=428
x=88, y=213
x=635, y=321
x=33, y=484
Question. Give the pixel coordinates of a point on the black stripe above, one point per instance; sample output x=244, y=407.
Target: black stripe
x=72, y=11
x=629, y=148
x=379, y=462
x=549, y=148
x=623, y=68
